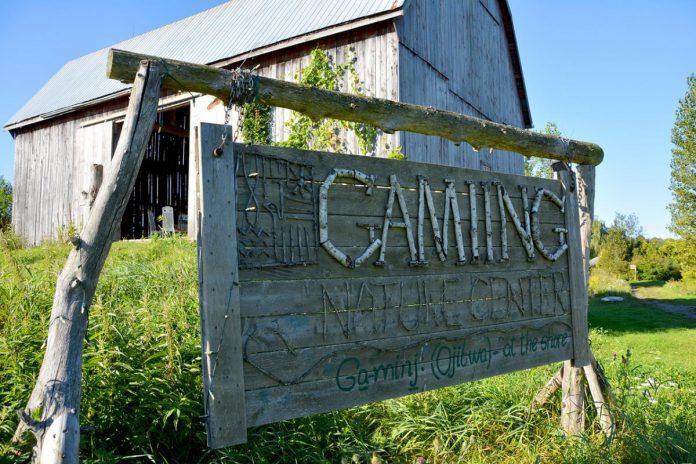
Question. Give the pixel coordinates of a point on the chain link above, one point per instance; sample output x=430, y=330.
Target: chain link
x=242, y=91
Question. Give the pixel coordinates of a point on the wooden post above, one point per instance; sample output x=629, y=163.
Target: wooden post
x=606, y=421
x=572, y=400
x=573, y=396
x=578, y=285
x=97, y=176
x=586, y=194
x=569, y=377
x=59, y=385
x=387, y=115
x=599, y=389
x=221, y=327
x=551, y=387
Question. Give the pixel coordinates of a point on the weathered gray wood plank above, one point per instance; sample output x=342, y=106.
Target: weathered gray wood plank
x=396, y=265
x=527, y=289
x=324, y=162
x=279, y=403
x=272, y=334
x=302, y=365
x=223, y=376
x=351, y=200
x=578, y=286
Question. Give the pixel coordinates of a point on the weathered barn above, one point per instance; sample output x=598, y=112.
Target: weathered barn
x=458, y=55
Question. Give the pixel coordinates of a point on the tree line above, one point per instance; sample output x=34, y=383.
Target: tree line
x=621, y=244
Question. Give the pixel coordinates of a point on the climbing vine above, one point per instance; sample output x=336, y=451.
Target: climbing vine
x=395, y=153
x=366, y=134
x=323, y=134
x=257, y=123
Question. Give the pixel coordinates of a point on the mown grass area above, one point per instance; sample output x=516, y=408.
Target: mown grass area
x=683, y=293
x=142, y=382
x=657, y=339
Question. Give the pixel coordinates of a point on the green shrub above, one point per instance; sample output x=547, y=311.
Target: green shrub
x=5, y=203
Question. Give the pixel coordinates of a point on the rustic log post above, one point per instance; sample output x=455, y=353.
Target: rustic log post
x=551, y=387
x=599, y=389
x=56, y=395
x=586, y=194
x=387, y=115
x=570, y=377
x=572, y=400
x=606, y=421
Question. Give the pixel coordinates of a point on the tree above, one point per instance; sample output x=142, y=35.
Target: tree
x=617, y=244
x=654, y=259
x=683, y=177
x=599, y=230
x=5, y=202
x=628, y=224
x=540, y=167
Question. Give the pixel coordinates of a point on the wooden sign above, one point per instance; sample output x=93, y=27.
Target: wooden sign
x=329, y=281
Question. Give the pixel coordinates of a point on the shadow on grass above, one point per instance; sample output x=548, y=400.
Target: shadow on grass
x=684, y=302
x=632, y=315
x=648, y=283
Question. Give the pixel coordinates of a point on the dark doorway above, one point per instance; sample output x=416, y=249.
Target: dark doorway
x=163, y=177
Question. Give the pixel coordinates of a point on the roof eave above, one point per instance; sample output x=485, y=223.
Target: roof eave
x=316, y=35
x=63, y=111
x=516, y=63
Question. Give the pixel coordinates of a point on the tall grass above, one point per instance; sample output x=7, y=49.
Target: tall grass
x=142, y=387
x=603, y=283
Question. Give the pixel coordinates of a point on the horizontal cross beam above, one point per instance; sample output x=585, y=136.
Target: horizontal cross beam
x=386, y=115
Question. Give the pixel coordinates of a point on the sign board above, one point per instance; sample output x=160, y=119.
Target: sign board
x=329, y=281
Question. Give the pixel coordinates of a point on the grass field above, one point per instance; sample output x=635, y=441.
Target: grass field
x=142, y=382
x=683, y=293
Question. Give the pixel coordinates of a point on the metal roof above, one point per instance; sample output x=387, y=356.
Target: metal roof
x=227, y=30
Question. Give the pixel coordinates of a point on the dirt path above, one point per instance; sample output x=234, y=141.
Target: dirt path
x=681, y=310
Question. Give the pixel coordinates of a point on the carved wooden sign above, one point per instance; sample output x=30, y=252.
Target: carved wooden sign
x=329, y=281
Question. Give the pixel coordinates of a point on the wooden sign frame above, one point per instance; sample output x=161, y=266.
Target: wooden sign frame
x=328, y=281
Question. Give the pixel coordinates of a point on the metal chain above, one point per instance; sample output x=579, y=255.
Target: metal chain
x=242, y=91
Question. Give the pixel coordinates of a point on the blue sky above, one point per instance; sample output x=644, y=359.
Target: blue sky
x=610, y=72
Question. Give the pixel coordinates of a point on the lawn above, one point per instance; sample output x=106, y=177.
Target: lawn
x=657, y=340
x=683, y=293
x=142, y=382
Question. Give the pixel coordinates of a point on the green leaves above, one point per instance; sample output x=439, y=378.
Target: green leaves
x=540, y=167
x=257, y=123
x=5, y=202
x=328, y=134
x=683, y=177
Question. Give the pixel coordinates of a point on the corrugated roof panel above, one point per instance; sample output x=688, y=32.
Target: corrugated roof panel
x=227, y=30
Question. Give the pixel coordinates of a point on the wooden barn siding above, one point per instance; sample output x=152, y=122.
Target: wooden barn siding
x=375, y=49
x=458, y=61
x=43, y=188
x=52, y=170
